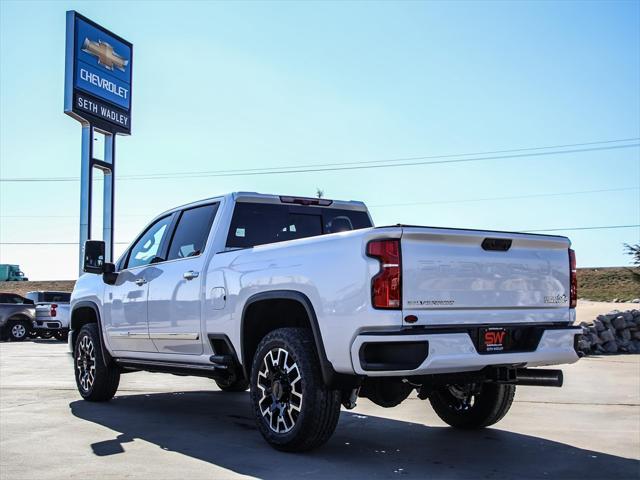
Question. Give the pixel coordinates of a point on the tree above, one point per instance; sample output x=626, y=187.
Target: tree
x=634, y=251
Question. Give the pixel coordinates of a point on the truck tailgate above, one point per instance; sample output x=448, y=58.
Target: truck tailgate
x=452, y=276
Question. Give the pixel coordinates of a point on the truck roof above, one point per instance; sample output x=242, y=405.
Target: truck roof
x=255, y=197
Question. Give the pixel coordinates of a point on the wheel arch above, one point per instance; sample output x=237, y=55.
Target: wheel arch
x=249, y=343
x=19, y=317
x=83, y=313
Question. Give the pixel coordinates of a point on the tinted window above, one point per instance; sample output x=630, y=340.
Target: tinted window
x=33, y=296
x=10, y=298
x=191, y=233
x=147, y=246
x=262, y=223
x=59, y=297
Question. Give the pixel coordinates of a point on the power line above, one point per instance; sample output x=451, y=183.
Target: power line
x=404, y=162
x=392, y=160
x=52, y=243
x=515, y=197
x=606, y=227
x=580, y=228
x=435, y=202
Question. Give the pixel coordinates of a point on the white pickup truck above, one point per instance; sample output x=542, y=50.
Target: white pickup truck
x=52, y=314
x=305, y=303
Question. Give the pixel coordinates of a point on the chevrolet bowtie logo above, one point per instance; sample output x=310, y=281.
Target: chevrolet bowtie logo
x=107, y=57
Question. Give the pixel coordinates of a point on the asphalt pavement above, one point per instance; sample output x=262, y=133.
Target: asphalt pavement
x=168, y=427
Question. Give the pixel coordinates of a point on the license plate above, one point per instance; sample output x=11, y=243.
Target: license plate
x=494, y=340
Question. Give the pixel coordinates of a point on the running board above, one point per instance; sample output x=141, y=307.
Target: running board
x=176, y=368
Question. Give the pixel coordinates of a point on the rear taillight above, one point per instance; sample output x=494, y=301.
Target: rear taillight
x=53, y=312
x=386, y=285
x=573, y=280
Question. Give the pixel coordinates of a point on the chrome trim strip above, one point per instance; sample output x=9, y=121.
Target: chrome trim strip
x=174, y=336
x=132, y=335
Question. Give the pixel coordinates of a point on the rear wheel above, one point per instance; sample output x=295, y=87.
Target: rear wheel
x=472, y=406
x=294, y=410
x=96, y=381
x=19, y=331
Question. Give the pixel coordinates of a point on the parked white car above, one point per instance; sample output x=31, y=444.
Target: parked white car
x=305, y=303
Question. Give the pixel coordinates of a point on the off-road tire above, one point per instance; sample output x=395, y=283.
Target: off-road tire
x=102, y=386
x=18, y=331
x=489, y=406
x=319, y=406
x=233, y=385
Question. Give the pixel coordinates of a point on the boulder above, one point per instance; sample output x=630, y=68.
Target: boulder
x=584, y=345
x=610, y=347
x=607, y=336
x=619, y=323
x=599, y=326
x=625, y=334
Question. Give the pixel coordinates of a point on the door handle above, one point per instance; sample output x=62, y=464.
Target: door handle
x=140, y=282
x=190, y=275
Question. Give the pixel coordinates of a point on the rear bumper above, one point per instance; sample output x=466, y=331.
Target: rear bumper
x=47, y=325
x=452, y=352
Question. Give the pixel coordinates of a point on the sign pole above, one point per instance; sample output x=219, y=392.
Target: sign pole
x=86, y=184
x=108, y=196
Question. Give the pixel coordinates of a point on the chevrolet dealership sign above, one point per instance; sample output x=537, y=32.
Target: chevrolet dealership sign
x=97, y=75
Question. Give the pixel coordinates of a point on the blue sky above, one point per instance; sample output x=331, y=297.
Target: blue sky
x=221, y=86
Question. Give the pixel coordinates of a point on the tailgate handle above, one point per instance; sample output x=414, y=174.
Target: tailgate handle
x=496, y=244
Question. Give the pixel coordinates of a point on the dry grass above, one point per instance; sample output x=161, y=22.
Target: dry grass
x=607, y=284
x=24, y=287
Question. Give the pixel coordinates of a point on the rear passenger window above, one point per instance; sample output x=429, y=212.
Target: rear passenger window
x=191, y=233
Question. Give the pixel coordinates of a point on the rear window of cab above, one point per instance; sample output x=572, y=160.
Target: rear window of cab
x=263, y=223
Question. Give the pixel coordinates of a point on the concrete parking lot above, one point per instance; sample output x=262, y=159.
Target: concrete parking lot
x=168, y=427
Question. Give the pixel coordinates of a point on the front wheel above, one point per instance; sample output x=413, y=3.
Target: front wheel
x=96, y=381
x=19, y=331
x=294, y=409
x=472, y=406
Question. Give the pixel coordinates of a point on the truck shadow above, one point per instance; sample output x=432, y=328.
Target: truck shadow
x=218, y=428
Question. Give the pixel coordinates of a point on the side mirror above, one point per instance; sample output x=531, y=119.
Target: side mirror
x=109, y=275
x=28, y=301
x=93, y=256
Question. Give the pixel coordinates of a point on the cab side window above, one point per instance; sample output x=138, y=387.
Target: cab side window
x=191, y=232
x=148, y=245
x=10, y=298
